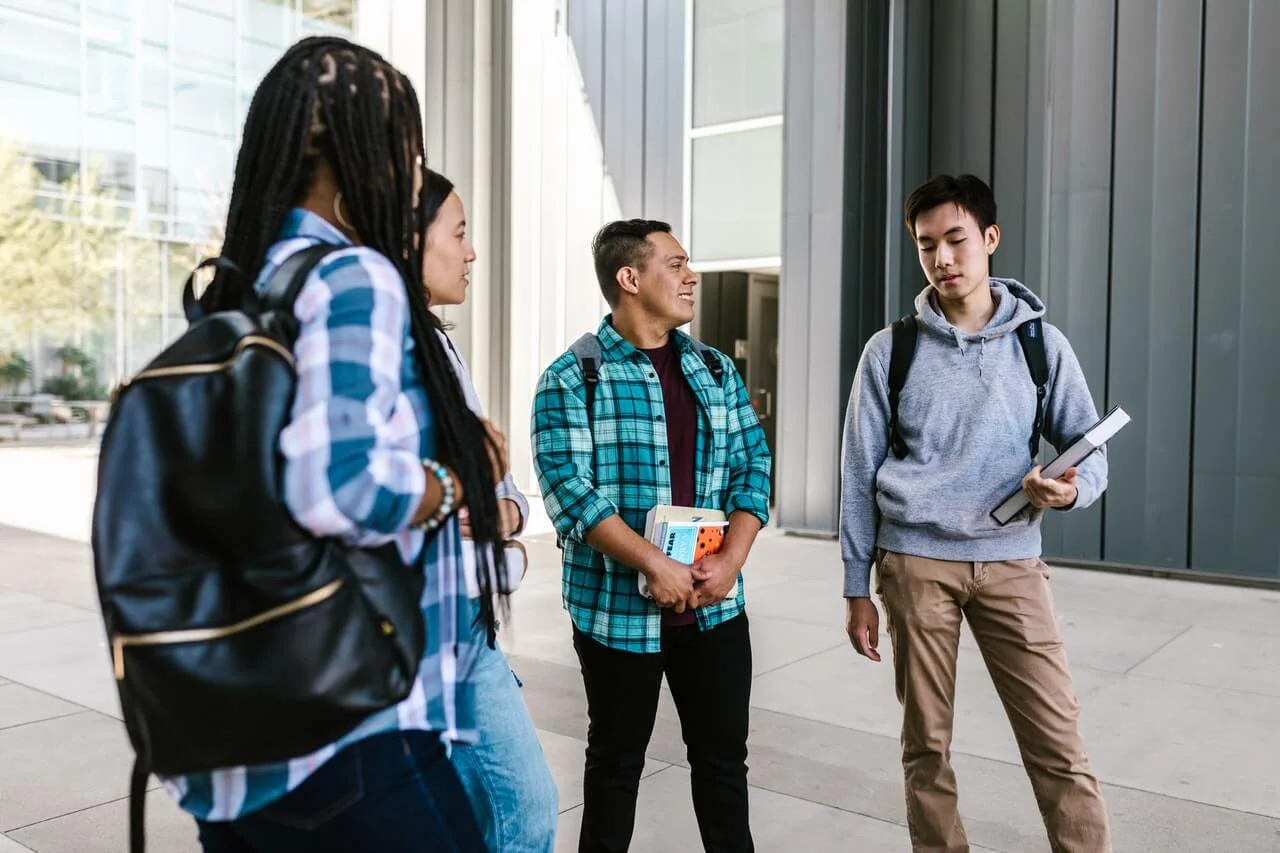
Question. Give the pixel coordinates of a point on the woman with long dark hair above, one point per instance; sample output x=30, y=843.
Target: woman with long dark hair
x=381, y=447
x=505, y=773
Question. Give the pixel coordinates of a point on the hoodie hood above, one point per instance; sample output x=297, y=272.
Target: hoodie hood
x=1015, y=305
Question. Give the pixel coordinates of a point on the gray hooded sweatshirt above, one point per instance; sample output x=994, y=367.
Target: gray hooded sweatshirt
x=966, y=414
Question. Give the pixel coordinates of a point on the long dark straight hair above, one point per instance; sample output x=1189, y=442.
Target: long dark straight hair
x=330, y=100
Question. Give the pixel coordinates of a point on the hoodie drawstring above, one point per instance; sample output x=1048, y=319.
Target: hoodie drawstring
x=982, y=351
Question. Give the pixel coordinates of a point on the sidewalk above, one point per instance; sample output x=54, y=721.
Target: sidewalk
x=1180, y=685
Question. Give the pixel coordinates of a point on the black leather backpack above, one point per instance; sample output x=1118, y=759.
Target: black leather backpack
x=236, y=637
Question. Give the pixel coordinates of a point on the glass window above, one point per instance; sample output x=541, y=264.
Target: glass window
x=153, y=137
x=154, y=20
x=202, y=163
x=329, y=15
x=119, y=8
x=206, y=105
x=60, y=10
x=153, y=191
x=39, y=118
x=110, y=84
x=203, y=42
x=39, y=54
x=155, y=85
x=737, y=60
x=197, y=214
x=268, y=21
x=110, y=135
x=256, y=60
x=110, y=27
x=736, y=200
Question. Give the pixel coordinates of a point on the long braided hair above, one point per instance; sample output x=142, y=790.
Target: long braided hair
x=330, y=99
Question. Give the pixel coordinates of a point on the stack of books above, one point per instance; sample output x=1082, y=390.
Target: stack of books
x=685, y=534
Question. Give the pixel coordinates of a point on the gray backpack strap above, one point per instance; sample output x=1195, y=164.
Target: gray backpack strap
x=587, y=350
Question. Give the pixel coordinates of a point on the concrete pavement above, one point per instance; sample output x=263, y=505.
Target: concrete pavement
x=1179, y=682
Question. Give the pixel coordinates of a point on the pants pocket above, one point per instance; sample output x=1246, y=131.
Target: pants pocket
x=330, y=791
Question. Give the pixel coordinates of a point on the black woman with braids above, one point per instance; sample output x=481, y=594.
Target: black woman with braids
x=332, y=153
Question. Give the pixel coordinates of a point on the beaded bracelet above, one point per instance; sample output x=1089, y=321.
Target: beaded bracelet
x=446, y=507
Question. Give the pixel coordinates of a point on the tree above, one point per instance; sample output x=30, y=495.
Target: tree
x=15, y=369
x=60, y=250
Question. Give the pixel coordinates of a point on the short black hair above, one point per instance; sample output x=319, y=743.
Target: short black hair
x=622, y=244
x=968, y=192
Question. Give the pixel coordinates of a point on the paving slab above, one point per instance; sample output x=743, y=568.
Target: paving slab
x=105, y=829
x=20, y=705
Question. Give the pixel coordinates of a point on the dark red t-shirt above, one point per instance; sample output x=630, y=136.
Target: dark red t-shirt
x=681, y=415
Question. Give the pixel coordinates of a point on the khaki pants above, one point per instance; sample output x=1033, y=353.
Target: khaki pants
x=1010, y=610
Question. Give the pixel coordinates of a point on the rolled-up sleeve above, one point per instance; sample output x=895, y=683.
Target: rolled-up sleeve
x=562, y=457
x=349, y=472
x=750, y=461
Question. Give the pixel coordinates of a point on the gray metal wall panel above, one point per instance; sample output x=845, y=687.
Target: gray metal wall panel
x=1009, y=143
x=672, y=167
x=963, y=61
x=1034, y=226
x=449, y=115
x=793, y=310
x=865, y=188
x=615, y=115
x=916, y=133
x=1152, y=274
x=1144, y=229
x=631, y=57
x=1080, y=223
x=662, y=85
x=1236, y=474
x=636, y=73
x=590, y=52
x=810, y=403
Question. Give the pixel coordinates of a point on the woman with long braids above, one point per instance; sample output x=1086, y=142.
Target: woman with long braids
x=505, y=774
x=332, y=154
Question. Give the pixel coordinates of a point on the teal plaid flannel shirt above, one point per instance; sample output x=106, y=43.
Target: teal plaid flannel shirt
x=624, y=472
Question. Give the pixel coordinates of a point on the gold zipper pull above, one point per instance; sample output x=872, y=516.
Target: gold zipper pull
x=117, y=656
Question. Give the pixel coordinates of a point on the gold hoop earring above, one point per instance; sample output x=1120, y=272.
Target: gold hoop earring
x=337, y=212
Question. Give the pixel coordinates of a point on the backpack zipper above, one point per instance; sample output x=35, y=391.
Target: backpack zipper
x=196, y=369
x=200, y=635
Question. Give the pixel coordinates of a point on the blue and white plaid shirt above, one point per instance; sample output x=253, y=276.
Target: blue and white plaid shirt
x=360, y=425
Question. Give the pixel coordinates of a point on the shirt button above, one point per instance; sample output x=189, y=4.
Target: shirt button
x=658, y=418
x=651, y=375
x=662, y=463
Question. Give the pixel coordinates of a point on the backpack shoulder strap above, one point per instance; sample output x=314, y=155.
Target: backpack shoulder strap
x=905, y=332
x=586, y=350
x=286, y=282
x=1031, y=336
x=713, y=362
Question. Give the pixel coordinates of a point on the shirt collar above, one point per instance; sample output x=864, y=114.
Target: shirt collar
x=300, y=222
x=615, y=347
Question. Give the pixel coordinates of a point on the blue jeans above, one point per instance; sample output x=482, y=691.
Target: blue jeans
x=505, y=774
x=393, y=793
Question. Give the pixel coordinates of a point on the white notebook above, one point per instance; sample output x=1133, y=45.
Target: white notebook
x=1094, y=437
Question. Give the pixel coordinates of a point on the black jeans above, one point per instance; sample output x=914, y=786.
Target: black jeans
x=709, y=673
x=391, y=793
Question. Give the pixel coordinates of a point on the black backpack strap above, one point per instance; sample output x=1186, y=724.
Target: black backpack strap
x=713, y=362
x=905, y=332
x=138, y=804
x=1031, y=336
x=587, y=350
x=286, y=282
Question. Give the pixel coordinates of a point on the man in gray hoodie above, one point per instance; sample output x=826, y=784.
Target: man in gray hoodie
x=965, y=414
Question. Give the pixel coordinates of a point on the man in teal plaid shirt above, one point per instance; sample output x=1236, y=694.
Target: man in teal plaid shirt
x=665, y=429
